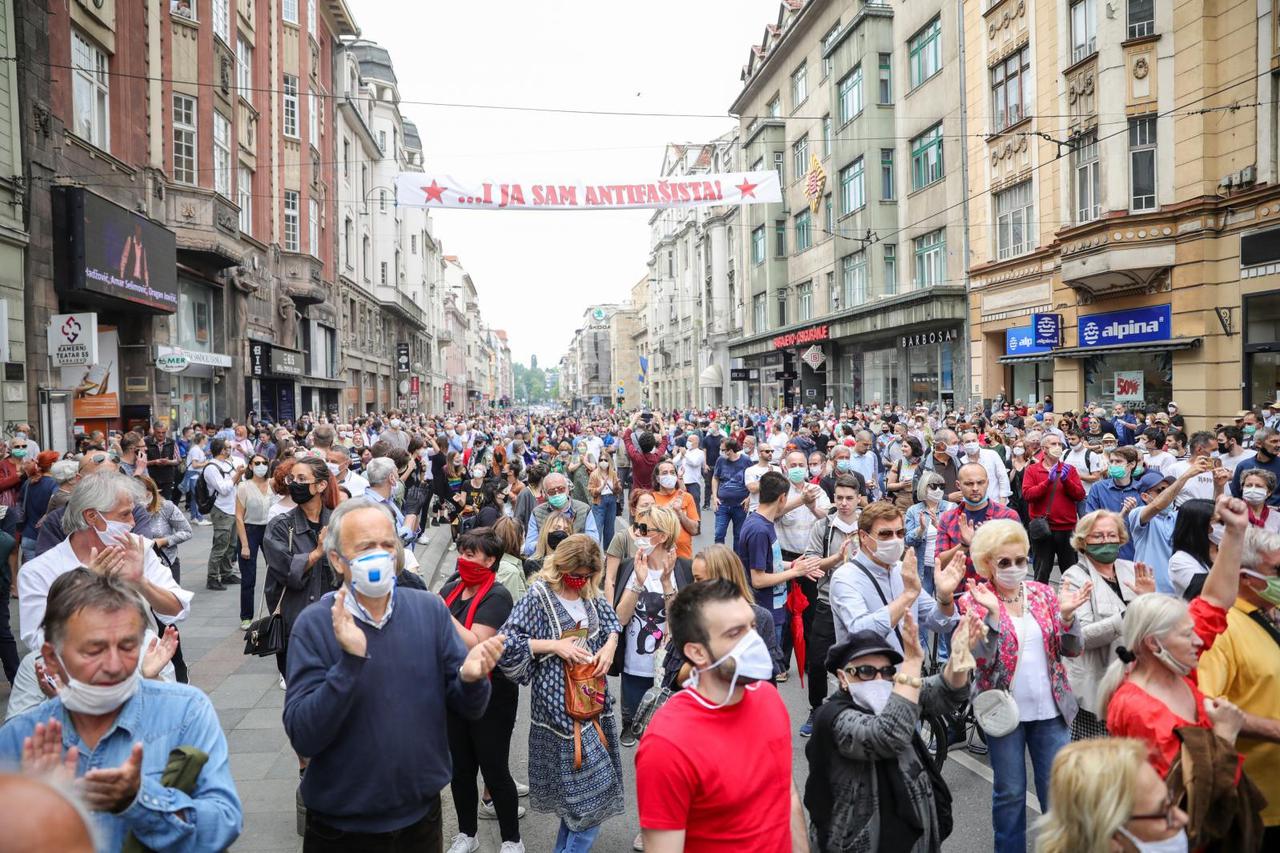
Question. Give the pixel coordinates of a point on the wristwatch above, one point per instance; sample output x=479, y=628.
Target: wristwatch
x=909, y=680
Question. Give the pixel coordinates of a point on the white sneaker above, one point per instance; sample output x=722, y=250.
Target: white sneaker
x=522, y=790
x=638, y=844
x=512, y=847
x=204, y=522
x=488, y=811
x=282, y=687
x=463, y=844
x=424, y=539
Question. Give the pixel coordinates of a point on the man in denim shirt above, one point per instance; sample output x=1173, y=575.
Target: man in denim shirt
x=113, y=730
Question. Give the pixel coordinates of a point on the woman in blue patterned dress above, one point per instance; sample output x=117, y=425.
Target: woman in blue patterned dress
x=563, y=619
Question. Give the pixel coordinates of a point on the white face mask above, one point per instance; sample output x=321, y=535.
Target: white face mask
x=1011, y=577
x=1253, y=494
x=84, y=698
x=1174, y=665
x=667, y=481
x=1018, y=451
x=1215, y=533
x=871, y=694
x=1176, y=844
x=972, y=448
x=890, y=552
x=259, y=470
x=933, y=494
x=116, y=532
x=477, y=473
x=751, y=663
x=644, y=545
x=815, y=470
x=333, y=467
x=373, y=573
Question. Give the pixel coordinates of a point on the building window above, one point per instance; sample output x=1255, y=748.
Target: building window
x=313, y=20
x=931, y=259
x=1142, y=18
x=831, y=218
x=826, y=136
x=291, y=230
x=1011, y=89
x=849, y=96
x=774, y=108
x=779, y=161
x=313, y=227
x=1142, y=163
x=382, y=141
x=799, y=85
x=926, y=157
x=1015, y=213
x=853, y=191
x=413, y=244
x=804, y=302
x=382, y=273
x=804, y=230
x=890, y=268
x=222, y=154
x=833, y=295
x=366, y=258
x=886, y=79
x=800, y=156
x=382, y=201
x=290, y=11
x=827, y=62
x=348, y=232
x=782, y=306
x=780, y=239
x=313, y=118
x=184, y=139
x=757, y=245
x=244, y=197
x=1084, y=29
x=759, y=307
x=291, y=106
x=1086, y=177
x=90, y=92
x=244, y=68
x=346, y=161
x=924, y=51
x=222, y=20
x=853, y=279
x=886, y=174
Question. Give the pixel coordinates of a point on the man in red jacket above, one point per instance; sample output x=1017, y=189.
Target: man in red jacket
x=644, y=450
x=1052, y=488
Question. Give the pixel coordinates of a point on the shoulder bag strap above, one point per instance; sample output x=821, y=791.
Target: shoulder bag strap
x=880, y=592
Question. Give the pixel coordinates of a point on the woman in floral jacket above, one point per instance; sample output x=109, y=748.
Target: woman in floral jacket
x=1029, y=632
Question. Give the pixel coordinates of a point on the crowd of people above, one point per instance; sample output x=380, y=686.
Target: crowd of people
x=1096, y=592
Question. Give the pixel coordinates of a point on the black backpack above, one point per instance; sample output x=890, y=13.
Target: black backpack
x=205, y=497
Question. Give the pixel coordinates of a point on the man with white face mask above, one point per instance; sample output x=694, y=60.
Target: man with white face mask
x=971, y=452
x=114, y=730
x=348, y=698
x=878, y=587
x=696, y=784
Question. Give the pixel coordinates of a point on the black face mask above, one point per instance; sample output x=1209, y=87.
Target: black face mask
x=555, y=537
x=1222, y=447
x=300, y=493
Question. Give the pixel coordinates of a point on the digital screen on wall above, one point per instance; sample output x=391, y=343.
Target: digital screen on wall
x=121, y=254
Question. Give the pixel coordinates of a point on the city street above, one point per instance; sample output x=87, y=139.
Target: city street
x=249, y=702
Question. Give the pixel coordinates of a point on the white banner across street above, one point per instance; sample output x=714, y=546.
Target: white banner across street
x=425, y=189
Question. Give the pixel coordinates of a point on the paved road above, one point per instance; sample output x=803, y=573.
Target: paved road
x=249, y=702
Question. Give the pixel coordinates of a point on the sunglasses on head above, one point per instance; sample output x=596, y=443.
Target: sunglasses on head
x=867, y=672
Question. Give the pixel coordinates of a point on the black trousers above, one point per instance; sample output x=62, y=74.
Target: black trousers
x=425, y=836
x=179, y=665
x=820, y=636
x=1058, y=549
x=484, y=746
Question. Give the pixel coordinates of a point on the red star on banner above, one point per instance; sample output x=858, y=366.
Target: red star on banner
x=746, y=188
x=435, y=192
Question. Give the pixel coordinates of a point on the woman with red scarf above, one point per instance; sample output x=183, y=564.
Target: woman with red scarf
x=479, y=606
x=1256, y=487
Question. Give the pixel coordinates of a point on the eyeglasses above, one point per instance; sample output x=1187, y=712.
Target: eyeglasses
x=867, y=672
x=1102, y=538
x=1007, y=562
x=1167, y=813
x=886, y=535
x=292, y=480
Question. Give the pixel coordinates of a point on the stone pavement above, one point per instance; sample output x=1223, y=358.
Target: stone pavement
x=246, y=693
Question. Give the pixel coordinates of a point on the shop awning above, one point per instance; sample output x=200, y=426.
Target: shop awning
x=712, y=376
x=1151, y=346
x=1026, y=359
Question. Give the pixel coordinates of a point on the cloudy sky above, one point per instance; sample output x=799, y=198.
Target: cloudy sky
x=536, y=271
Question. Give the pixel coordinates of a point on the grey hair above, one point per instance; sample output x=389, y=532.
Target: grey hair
x=333, y=536
x=379, y=470
x=1258, y=541
x=1152, y=615
x=1262, y=474
x=927, y=479
x=99, y=491
x=64, y=470
x=546, y=485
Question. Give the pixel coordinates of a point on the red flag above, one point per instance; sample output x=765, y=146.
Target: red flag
x=797, y=602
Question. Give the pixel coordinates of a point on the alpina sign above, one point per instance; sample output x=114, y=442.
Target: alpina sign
x=1136, y=325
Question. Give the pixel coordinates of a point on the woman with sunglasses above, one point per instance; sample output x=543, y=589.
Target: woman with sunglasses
x=864, y=736
x=254, y=498
x=623, y=544
x=1108, y=797
x=562, y=621
x=1030, y=630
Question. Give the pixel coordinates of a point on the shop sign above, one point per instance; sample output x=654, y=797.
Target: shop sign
x=73, y=339
x=1022, y=341
x=815, y=181
x=921, y=339
x=207, y=359
x=804, y=336
x=1130, y=386
x=97, y=385
x=116, y=252
x=402, y=358
x=448, y=392
x=258, y=358
x=414, y=386
x=286, y=362
x=1048, y=329
x=744, y=374
x=172, y=363
x=1132, y=326
x=814, y=356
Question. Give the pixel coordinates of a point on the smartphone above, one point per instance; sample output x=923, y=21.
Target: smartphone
x=1217, y=463
x=647, y=417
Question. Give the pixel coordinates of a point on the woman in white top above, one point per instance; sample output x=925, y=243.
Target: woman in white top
x=1194, y=547
x=1256, y=487
x=254, y=499
x=1098, y=538
x=197, y=458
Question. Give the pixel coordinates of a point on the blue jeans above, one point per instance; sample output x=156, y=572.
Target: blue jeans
x=188, y=488
x=694, y=489
x=944, y=640
x=1008, y=756
x=633, y=690
x=28, y=548
x=606, y=515
x=568, y=841
x=726, y=512
x=249, y=567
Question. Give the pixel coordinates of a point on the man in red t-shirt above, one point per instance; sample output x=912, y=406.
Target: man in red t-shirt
x=713, y=771
x=644, y=450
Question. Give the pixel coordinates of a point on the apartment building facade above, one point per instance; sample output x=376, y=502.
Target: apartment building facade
x=1147, y=224
x=853, y=285
x=13, y=233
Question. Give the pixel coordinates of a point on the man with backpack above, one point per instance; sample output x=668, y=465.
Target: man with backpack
x=216, y=497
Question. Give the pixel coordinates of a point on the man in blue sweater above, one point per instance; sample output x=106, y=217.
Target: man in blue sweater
x=366, y=665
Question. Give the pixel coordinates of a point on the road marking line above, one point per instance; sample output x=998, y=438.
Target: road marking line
x=980, y=769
